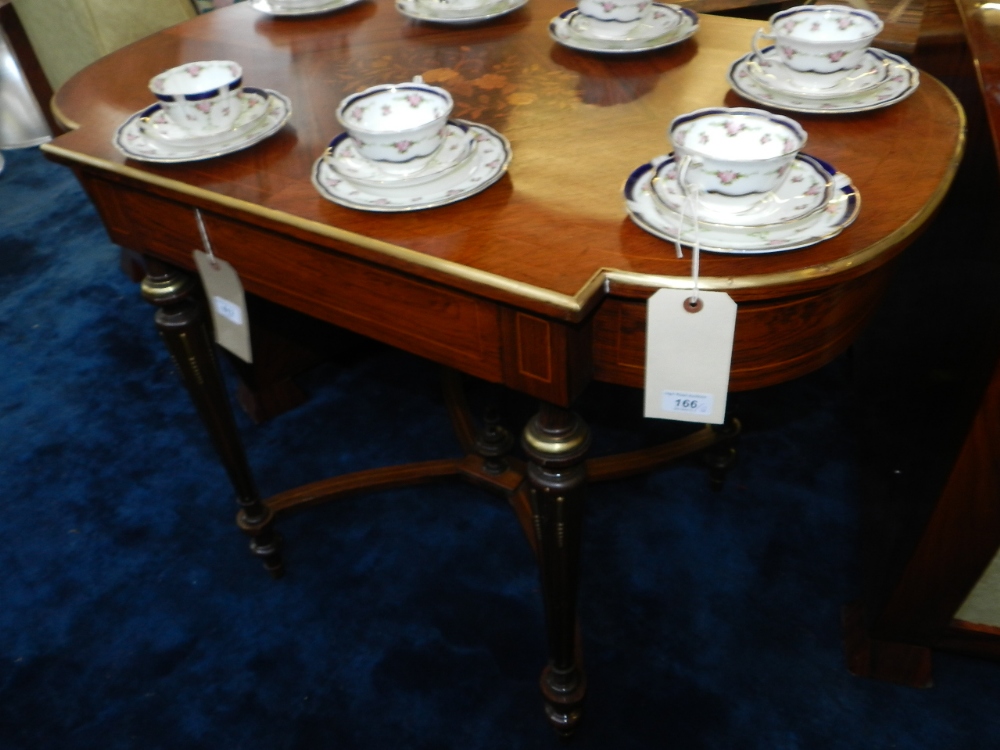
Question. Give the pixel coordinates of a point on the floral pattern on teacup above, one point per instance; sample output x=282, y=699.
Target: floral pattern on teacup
x=733, y=129
x=387, y=109
x=728, y=176
x=190, y=71
x=787, y=26
x=827, y=40
x=610, y=7
x=816, y=26
x=207, y=116
x=736, y=153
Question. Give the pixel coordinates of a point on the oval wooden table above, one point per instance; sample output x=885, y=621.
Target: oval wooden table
x=538, y=283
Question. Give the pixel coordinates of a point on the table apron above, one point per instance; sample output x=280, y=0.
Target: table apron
x=777, y=339
x=546, y=358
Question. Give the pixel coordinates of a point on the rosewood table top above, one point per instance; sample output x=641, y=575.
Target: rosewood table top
x=552, y=237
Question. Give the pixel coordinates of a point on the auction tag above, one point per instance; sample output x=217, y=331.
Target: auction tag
x=688, y=354
x=226, y=303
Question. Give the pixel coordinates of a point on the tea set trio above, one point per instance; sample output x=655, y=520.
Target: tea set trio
x=736, y=181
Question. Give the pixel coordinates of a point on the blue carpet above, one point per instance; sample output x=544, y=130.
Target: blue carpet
x=132, y=616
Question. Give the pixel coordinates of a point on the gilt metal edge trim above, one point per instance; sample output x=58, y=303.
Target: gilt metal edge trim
x=557, y=300
x=61, y=117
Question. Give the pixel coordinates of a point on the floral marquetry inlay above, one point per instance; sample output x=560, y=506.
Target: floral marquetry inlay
x=485, y=83
x=505, y=85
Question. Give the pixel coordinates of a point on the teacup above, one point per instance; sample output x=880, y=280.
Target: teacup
x=398, y=126
x=730, y=159
x=201, y=97
x=819, y=45
x=611, y=19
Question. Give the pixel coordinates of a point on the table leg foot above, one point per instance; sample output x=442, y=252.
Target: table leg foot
x=265, y=542
x=563, y=691
x=556, y=441
x=493, y=443
x=182, y=323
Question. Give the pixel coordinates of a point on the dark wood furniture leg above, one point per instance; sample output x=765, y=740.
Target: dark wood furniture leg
x=556, y=441
x=181, y=321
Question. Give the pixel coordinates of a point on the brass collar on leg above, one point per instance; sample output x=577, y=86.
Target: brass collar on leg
x=161, y=290
x=564, y=446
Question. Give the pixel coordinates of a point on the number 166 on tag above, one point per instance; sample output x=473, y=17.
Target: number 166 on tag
x=682, y=402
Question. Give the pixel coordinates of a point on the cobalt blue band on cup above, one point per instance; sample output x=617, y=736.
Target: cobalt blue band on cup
x=699, y=113
x=819, y=39
x=846, y=9
x=201, y=96
x=423, y=88
x=731, y=158
x=399, y=125
x=197, y=81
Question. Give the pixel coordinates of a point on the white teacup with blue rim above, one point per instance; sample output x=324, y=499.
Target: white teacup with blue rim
x=818, y=45
x=202, y=98
x=398, y=127
x=610, y=19
x=731, y=160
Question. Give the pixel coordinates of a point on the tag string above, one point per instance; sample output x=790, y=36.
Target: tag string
x=204, y=239
x=691, y=201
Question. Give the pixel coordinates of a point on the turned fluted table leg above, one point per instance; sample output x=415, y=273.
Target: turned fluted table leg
x=556, y=441
x=181, y=321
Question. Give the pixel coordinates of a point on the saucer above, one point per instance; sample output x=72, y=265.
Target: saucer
x=277, y=9
x=901, y=81
x=649, y=213
x=663, y=23
x=662, y=29
x=425, y=11
x=343, y=158
x=157, y=126
x=131, y=141
x=806, y=190
x=773, y=74
x=487, y=163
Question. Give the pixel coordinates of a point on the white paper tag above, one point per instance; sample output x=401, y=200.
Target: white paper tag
x=227, y=304
x=688, y=355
